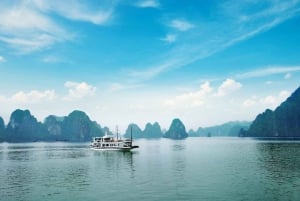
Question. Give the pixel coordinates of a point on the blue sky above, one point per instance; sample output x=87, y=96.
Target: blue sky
x=124, y=61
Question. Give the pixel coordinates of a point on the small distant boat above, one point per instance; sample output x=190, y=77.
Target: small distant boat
x=110, y=143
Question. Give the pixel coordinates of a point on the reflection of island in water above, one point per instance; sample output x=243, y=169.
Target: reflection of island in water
x=282, y=162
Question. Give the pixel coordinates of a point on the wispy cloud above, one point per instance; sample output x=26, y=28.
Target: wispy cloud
x=181, y=25
x=273, y=10
x=148, y=4
x=29, y=26
x=232, y=27
x=267, y=71
x=98, y=18
x=149, y=73
x=27, y=30
x=24, y=44
x=77, y=10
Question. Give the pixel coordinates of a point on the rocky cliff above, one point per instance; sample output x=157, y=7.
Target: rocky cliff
x=176, y=131
x=136, y=131
x=152, y=131
x=2, y=129
x=23, y=126
x=284, y=121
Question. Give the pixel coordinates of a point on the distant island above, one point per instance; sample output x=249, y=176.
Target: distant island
x=229, y=129
x=176, y=131
x=283, y=122
x=150, y=131
x=24, y=127
x=78, y=127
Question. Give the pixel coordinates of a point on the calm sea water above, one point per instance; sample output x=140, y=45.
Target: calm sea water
x=192, y=169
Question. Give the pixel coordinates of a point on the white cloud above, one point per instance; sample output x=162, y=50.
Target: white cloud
x=269, y=101
x=249, y=103
x=269, y=71
x=284, y=95
x=170, y=38
x=228, y=86
x=33, y=96
x=203, y=95
x=79, y=90
x=2, y=59
x=148, y=4
x=181, y=25
x=191, y=99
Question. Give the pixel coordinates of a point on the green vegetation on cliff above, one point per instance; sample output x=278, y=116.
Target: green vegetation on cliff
x=176, y=131
x=284, y=121
x=150, y=131
x=2, y=129
x=24, y=127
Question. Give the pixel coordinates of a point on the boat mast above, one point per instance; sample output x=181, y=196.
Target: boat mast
x=131, y=133
x=117, y=133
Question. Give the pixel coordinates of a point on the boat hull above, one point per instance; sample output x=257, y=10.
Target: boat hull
x=114, y=148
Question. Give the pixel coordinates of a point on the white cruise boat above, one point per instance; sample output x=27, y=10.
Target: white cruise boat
x=108, y=142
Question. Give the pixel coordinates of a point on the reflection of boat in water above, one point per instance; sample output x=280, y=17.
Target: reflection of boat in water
x=108, y=142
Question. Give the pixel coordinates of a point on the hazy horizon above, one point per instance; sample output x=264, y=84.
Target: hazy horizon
x=142, y=61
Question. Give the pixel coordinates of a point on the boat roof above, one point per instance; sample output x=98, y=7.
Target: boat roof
x=105, y=136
